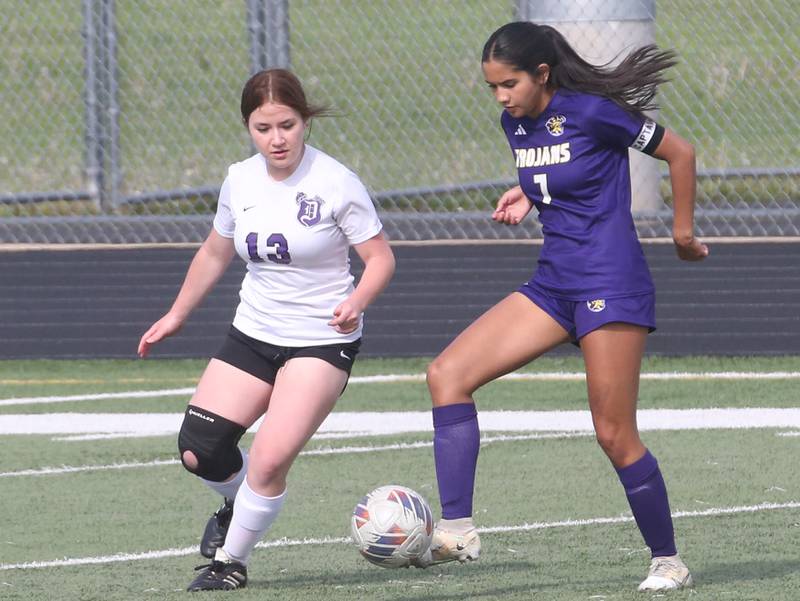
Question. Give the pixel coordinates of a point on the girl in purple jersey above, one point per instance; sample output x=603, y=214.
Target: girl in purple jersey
x=570, y=125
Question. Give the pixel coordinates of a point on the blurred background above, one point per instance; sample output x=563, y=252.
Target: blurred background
x=119, y=117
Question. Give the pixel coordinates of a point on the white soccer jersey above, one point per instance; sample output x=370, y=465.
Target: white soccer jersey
x=294, y=236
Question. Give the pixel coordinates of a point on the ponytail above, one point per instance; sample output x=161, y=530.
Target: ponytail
x=632, y=84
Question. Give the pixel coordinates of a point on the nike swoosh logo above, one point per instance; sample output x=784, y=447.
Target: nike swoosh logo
x=248, y=208
x=341, y=354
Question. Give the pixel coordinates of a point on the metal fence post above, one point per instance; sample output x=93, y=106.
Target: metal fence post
x=276, y=46
x=602, y=31
x=93, y=133
x=268, y=29
x=111, y=108
x=101, y=104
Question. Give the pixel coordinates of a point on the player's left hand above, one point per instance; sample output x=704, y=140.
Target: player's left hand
x=693, y=250
x=345, y=317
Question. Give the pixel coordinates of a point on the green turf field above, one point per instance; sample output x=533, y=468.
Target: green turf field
x=112, y=518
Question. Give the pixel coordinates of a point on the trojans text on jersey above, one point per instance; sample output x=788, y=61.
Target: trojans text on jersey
x=543, y=155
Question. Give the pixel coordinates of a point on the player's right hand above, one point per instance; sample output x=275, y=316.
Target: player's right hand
x=164, y=327
x=512, y=207
x=691, y=250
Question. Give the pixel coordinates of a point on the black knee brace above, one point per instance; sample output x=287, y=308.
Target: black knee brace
x=213, y=440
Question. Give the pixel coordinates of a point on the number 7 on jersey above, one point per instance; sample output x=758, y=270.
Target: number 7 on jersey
x=541, y=179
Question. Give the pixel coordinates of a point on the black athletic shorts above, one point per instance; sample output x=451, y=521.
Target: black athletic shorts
x=263, y=360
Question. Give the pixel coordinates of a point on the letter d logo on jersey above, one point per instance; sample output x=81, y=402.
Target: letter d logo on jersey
x=309, y=213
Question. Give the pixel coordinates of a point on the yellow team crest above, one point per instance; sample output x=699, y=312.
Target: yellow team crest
x=555, y=125
x=595, y=306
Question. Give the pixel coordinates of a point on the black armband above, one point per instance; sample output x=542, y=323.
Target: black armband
x=649, y=137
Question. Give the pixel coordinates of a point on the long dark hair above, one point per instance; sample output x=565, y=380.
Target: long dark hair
x=631, y=84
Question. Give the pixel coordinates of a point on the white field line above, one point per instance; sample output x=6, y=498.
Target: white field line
x=556, y=376
x=69, y=469
x=113, y=435
x=622, y=519
x=285, y=542
x=101, y=396
x=73, y=469
x=399, y=422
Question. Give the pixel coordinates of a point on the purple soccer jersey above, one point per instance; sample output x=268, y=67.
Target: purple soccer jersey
x=572, y=162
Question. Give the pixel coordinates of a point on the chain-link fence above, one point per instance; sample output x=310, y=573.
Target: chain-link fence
x=119, y=117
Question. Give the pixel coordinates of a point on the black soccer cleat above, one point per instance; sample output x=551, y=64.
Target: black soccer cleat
x=219, y=576
x=216, y=529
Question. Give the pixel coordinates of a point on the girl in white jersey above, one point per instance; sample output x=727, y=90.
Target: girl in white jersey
x=292, y=213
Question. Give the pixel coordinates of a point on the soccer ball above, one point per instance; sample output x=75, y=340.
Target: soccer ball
x=392, y=526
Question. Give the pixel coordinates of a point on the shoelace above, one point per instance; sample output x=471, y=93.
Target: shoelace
x=216, y=566
x=225, y=508
x=224, y=514
x=665, y=568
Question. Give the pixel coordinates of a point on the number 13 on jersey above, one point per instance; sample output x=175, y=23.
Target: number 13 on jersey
x=275, y=242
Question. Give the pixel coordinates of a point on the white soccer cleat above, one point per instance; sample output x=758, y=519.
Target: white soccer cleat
x=423, y=561
x=666, y=574
x=450, y=546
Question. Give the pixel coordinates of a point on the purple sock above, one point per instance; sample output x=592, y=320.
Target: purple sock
x=456, y=440
x=647, y=496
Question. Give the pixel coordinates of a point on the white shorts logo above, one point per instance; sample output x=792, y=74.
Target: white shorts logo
x=595, y=306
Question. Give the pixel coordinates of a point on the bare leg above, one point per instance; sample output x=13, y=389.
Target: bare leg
x=237, y=396
x=507, y=336
x=613, y=356
x=305, y=392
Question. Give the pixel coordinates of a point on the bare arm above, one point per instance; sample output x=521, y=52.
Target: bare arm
x=512, y=207
x=207, y=267
x=378, y=270
x=679, y=155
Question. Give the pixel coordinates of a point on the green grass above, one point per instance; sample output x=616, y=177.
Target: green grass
x=43, y=378
x=404, y=77
x=738, y=556
x=713, y=100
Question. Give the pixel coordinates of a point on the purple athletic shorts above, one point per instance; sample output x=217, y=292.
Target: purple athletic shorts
x=579, y=318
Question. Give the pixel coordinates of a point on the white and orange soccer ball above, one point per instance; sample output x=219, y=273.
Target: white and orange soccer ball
x=392, y=526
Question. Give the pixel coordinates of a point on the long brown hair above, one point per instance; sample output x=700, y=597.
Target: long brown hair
x=632, y=84
x=280, y=87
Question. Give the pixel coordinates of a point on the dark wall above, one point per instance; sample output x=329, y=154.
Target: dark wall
x=743, y=300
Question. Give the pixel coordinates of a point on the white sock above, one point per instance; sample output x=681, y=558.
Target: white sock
x=252, y=517
x=458, y=526
x=229, y=488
